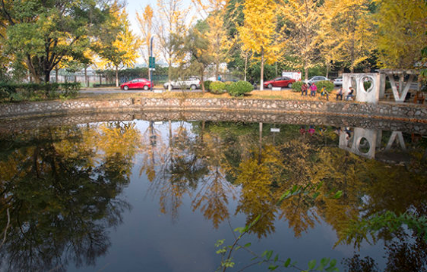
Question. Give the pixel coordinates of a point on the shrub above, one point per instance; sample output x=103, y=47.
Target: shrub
x=296, y=86
x=217, y=87
x=36, y=92
x=69, y=90
x=227, y=85
x=239, y=88
x=6, y=91
x=207, y=84
x=329, y=86
x=367, y=85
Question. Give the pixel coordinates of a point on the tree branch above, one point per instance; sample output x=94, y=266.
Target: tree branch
x=7, y=226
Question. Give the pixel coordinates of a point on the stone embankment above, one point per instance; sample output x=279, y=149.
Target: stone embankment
x=390, y=111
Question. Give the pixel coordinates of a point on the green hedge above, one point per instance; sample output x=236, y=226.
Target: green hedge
x=239, y=88
x=329, y=86
x=36, y=92
x=217, y=87
x=296, y=86
x=207, y=84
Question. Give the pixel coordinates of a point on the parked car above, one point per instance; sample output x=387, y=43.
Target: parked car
x=137, y=83
x=317, y=79
x=279, y=82
x=191, y=82
x=338, y=81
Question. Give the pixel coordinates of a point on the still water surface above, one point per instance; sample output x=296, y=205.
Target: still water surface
x=157, y=196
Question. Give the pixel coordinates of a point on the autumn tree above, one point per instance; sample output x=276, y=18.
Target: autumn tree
x=119, y=50
x=171, y=29
x=146, y=26
x=42, y=33
x=301, y=28
x=196, y=49
x=346, y=33
x=221, y=44
x=401, y=32
x=258, y=31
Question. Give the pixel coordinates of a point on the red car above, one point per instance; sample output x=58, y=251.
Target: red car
x=279, y=82
x=137, y=83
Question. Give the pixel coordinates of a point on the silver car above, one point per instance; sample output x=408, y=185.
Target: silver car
x=338, y=81
x=317, y=78
x=189, y=83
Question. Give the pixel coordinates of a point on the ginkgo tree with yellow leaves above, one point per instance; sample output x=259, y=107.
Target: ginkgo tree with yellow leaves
x=346, y=31
x=146, y=26
x=401, y=32
x=121, y=51
x=258, y=32
x=220, y=45
x=172, y=27
x=301, y=26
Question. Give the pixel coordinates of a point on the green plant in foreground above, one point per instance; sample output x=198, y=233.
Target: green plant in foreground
x=296, y=86
x=239, y=88
x=389, y=221
x=217, y=87
x=266, y=258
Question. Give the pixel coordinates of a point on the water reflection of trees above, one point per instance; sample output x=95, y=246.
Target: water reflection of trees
x=61, y=189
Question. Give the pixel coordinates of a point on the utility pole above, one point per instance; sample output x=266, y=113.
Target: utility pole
x=151, y=63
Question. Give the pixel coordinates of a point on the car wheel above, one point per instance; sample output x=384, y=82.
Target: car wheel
x=290, y=85
x=126, y=88
x=193, y=87
x=146, y=87
x=270, y=86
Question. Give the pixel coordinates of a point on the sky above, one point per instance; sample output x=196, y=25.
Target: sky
x=134, y=6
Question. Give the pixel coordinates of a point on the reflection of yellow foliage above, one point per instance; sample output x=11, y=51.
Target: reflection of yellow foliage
x=213, y=201
x=123, y=140
x=256, y=196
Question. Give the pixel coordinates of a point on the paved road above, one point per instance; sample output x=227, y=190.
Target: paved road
x=118, y=90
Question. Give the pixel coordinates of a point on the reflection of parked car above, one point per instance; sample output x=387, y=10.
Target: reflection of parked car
x=137, y=83
x=338, y=81
x=279, y=82
x=191, y=82
x=317, y=78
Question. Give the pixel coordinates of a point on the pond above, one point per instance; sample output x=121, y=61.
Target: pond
x=140, y=195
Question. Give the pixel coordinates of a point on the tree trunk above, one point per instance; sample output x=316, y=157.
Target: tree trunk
x=246, y=64
x=202, y=83
x=56, y=74
x=117, y=76
x=169, y=75
x=86, y=79
x=262, y=69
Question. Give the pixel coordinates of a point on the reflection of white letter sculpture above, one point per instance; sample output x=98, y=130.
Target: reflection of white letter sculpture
x=399, y=136
x=357, y=81
x=364, y=142
x=361, y=140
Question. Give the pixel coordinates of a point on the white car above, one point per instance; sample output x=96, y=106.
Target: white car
x=338, y=81
x=190, y=83
x=317, y=78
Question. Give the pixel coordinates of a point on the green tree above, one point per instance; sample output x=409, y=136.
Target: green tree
x=41, y=33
